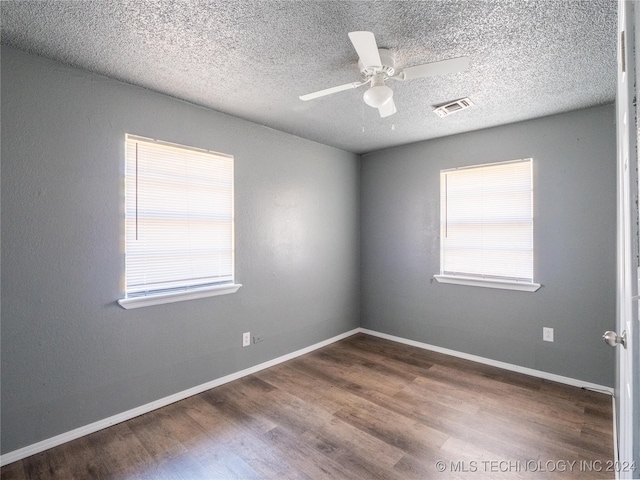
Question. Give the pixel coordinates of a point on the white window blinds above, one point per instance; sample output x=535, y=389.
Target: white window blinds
x=179, y=218
x=487, y=221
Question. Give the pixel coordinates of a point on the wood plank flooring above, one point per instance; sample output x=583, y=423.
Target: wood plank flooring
x=361, y=408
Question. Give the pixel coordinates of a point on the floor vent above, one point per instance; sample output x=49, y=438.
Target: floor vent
x=452, y=107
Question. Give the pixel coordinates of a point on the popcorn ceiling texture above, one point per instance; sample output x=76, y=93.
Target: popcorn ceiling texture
x=252, y=59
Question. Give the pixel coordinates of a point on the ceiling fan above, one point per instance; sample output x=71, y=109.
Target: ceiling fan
x=378, y=65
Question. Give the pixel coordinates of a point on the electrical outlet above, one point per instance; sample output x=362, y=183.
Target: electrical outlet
x=257, y=338
x=246, y=339
x=547, y=334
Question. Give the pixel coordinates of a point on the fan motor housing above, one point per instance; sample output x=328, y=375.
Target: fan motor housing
x=388, y=61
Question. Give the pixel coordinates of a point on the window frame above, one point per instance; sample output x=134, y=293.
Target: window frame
x=186, y=292
x=478, y=280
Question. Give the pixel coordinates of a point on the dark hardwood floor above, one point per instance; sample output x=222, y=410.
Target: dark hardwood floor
x=361, y=408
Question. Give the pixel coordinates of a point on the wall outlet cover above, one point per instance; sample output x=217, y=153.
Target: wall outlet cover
x=547, y=334
x=246, y=339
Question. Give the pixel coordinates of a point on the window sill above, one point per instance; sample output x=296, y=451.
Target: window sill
x=137, y=302
x=488, y=283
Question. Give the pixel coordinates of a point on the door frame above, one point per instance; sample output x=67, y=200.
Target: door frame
x=628, y=251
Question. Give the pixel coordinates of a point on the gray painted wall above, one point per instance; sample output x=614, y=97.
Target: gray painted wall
x=574, y=246
x=70, y=354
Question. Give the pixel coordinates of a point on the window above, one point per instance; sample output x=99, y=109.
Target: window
x=178, y=223
x=486, y=226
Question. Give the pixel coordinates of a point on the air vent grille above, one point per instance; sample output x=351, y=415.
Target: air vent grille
x=452, y=107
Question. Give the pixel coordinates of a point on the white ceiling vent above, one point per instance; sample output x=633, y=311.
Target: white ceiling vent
x=452, y=107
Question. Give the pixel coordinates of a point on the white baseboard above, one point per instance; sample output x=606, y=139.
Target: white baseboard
x=494, y=363
x=129, y=414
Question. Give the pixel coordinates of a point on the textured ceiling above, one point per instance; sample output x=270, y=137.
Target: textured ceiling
x=252, y=59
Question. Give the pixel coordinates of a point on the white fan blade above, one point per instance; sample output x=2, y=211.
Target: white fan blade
x=329, y=91
x=443, y=67
x=367, y=48
x=387, y=109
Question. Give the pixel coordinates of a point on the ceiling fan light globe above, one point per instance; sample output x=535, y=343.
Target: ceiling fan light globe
x=377, y=96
